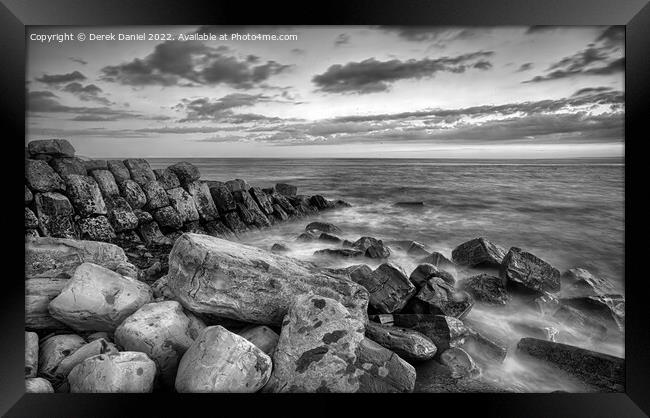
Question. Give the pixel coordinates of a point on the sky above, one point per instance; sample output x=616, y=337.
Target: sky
x=329, y=91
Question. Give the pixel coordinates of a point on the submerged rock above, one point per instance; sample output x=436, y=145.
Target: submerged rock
x=523, y=269
x=323, y=227
x=337, y=252
x=440, y=298
x=424, y=272
x=574, y=318
x=417, y=249
x=600, y=308
x=388, y=286
x=123, y=372
x=279, y=248
x=578, y=282
x=478, y=252
x=408, y=344
x=486, y=288
x=329, y=238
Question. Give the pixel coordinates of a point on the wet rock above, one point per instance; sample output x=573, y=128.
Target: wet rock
x=308, y=237
x=42, y=178
x=93, y=165
x=408, y=344
x=98, y=299
x=203, y=200
x=323, y=227
x=252, y=210
x=168, y=217
x=385, y=319
x=424, y=272
x=54, y=349
x=163, y=332
x=120, y=214
x=535, y=330
x=156, y=195
x=28, y=196
x=279, y=213
x=98, y=346
x=336, y=252
x=302, y=206
x=31, y=354
x=320, y=203
x=31, y=221
x=279, y=248
x=545, y=305
x=596, y=307
x=371, y=247
x=388, y=286
x=151, y=234
x=440, y=298
x=143, y=216
x=106, y=182
x=133, y=194
x=417, y=250
x=572, y=317
x=600, y=370
x=460, y=363
x=223, y=198
x=140, y=170
x=218, y=229
x=486, y=288
x=579, y=282
x=38, y=385
x=286, y=189
x=219, y=277
x=97, y=335
x=85, y=195
x=284, y=203
x=221, y=361
x=238, y=185
x=439, y=260
x=478, y=252
x=96, y=229
x=322, y=348
x=54, y=147
x=68, y=165
x=124, y=372
x=523, y=269
x=234, y=222
x=186, y=172
x=262, y=337
x=262, y=200
x=245, y=215
x=167, y=178
x=119, y=170
x=54, y=212
x=329, y=238
x=184, y=204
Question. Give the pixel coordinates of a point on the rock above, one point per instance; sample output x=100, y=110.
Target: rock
x=120, y=213
x=98, y=299
x=460, y=363
x=183, y=202
x=28, y=196
x=440, y=298
x=54, y=349
x=31, y=354
x=598, y=308
x=38, y=385
x=385, y=319
x=42, y=178
x=409, y=204
x=486, y=288
x=388, y=286
x=320, y=203
x=93, y=165
x=209, y=275
x=535, y=330
x=185, y=172
x=119, y=170
x=98, y=346
x=54, y=212
x=408, y=344
x=217, y=229
x=31, y=233
x=478, y=252
x=96, y=229
x=279, y=248
x=163, y=332
x=439, y=260
x=279, y=213
x=523, y=269
x=232, y=221
x=322, y=349
x=31, y=221
x=417, y=249
x=160, y=289
x=377, y=250
x=578, y=282
x=238, y=185
x=308, y=237
x=286, y=189
x=38, y=294
x=329, y=238
x=168, y=217
x=301, y=204
x=203, y=200
x=143, y=216
x=574, y=318
x=124, y=372
x=245, y=215
x=262, y=337
x=323, y=227
x=262, y=200
x=601, y=370
x=106, y=182
x=253, y=211
x=156, y=195
x=54, y=147
x=85, y=195
x=140, y=170
x=221, y=361
x=337, y=252
x=167, y=178
x=223, y=198
x=151, y=233
x=98, y=335
x=133, y=194
x=424, y=272
x=546, y=305
x=284, y=203
x=68, y=165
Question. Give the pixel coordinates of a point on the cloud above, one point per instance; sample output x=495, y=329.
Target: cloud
x=221, y=110
x=591, y=90
x=613, y=36
x=88, y=93
x=371, y=75
x=174, y=61
x=342, y=39
x=525, y=67
x=61, y=78
x=298, y=51
x=439, y=36
x=78, y=60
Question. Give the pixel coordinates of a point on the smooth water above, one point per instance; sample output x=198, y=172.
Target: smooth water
x=567, y=212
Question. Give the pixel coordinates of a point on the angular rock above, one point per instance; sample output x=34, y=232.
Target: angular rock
x=54, y=349
x=209, y=275
x=486, y=288
x=336, y=252
x=417, y=249
x=167, y=178
x=28, y=196
x=329, y=238
x=221, y=361
x=245, y=215
x=195, y=227
x=203, y=200
x=323, y=349
x=54, y=147
x=93, y=165
x=140, y=170
x=133, y=194
x=408, y=344
x=232, y=221
x=151, y=234
x=460, y=363
x=156, y=195
x=98, y=299
x=440, y=298
x=540, y=331
x=284, y=203
x=308, y=237
x=184, y=204
x=31, y=221
x=279, y=213
x=596, y=307
x=253, y=211
x=124, y=372
x=579, y=282
x=422, y=273
x=54, y=212
x=238, y=185
x=439, y=260
x=388, y=286
x=279, y=248
x=162, y=331
x=301, y=204
x=601, y=370
x=217, y=229
x=98, y=346
x=96, y=229
x=41, y=177
x=120, y=213
x=106, y=182
x=523, y=269
x=186, y=172
x=320, y=203
x=31, y=354
x=323, y=227
x=372, y=247
x=85, y=195
x=478, y=252
x=119, y=170
x=286, y=189
x=143, y=216
x=68, y=165
x=262, y=200
x=168, y=217
x=262, y=337
x=223, y=198
x=38, y=385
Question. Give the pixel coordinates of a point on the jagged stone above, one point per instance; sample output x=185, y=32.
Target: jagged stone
x=96, y=229
x=320, y=203
x=478, y=252
x=262, y=200
x=279, y=213
x=200, y=192
x=486, y=288
x=523, y=269
x=68, y=165
x=133, y=194
x=183, y=202
x=217, y=229
x=238, y=185
x=232, y=220
x=140, y=170
x=29, y=196
x=424, y=272
x=168, y=217
x=120, y=214
x=259, y=219
x=54, y=212
x=408, y=344
x=54, y=147
x=85, y=196
x=439, y=297
x=223, y=198
x=286, y=189
x=167, y=178
x=284, y=203
x=186, y=172
x=143, y=216
x=42, y=178
x=31, y=221
x=388, y=286
x=439, y=260
x=106, y=182
x=54, y=349
x=371, y=247
x=93, y=165
x=124, y=372
x=119, y=170
x=156, y=195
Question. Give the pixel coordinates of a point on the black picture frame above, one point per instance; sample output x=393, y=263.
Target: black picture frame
x=634, y=14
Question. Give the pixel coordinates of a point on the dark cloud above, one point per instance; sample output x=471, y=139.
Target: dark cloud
x=88, y=93
x=525, y=67
x=298, y=51
x=342, y=39
x=173, y=62
x=591, y=90
x=613, y=36
x=221, y=110
x=435, y=34
x=78, y=60
x=61, y=78
x=371, y=75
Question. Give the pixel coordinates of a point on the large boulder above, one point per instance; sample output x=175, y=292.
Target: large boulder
x=156, y=195
x=93, y=348
x=263, y=337
x=439, y=260
x=68, y=165
x=478, y=252
x=322, y=348
x=42, y=178
x=286, y=189
x=223, y=198
x=31, y=354
x=184, y=204
x=579, y=282
x=54, y=349
x=408, y=344
x=603, y=371
x=388, y=286
x=238, y=185
x=98, y=299
x=440, y=298
x=221, y=361
x=119, y=170
x=486, y=288
x=106, y=182
x=140, y=170
x=422, y=273
x=252, y=209
x=161, y=330
x=186, y=172
x=523, y=269
x=234, y=222
x=54, y=212
x=262, y=200
x=96, y=229
x=168, y=217
x=200, y=192
x=215, y=276
x=38, y=385
x=54, y=147
x=120, y=213
x=167, y=178
x=133, y=194
x=609, y=309
x=123, y=372
x=85, y=195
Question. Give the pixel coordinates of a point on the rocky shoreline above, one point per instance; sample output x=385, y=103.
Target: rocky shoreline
x=135, y=283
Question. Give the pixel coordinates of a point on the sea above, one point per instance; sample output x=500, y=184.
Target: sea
x=568, y=212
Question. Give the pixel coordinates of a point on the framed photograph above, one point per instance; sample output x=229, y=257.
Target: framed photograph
x=417, y=198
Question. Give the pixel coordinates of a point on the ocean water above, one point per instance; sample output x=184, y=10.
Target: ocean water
x=567, y=212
